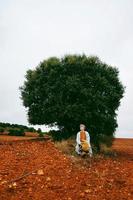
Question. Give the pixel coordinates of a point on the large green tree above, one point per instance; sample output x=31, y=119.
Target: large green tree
x=72, y=90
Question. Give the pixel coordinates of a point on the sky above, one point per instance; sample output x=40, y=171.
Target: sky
x=33, y=30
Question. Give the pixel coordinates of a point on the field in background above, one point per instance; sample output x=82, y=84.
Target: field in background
x=6, y=138
x=123, y=146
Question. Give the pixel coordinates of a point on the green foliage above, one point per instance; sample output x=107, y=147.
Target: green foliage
x=41, y=134
x=6, y=126
x=108, y=140
x=16, y=132
x=72, y=90
x=31, y=129
x=1, y=129
x=39, y=130
x=56, y=135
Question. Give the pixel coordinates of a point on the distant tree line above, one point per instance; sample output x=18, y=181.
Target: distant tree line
x=17, y=129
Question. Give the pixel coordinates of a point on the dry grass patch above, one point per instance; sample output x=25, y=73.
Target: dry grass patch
x=66, y=146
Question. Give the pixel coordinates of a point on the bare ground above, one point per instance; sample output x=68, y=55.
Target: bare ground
x=37, y=170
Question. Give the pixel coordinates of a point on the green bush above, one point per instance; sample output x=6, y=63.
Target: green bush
x=39, y=130
x=1, y=130
x=31, y=129
x=41, y=134
x=56, y=135
x=108, y=140
x=16, y=132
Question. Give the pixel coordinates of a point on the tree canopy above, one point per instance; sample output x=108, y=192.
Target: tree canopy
x=72, y=90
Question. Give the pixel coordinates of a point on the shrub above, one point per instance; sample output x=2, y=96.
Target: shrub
x=39, y=130
x=56, y=135
x=16, y=132
x=1, y=130
x=31, y=129
x=41, y=134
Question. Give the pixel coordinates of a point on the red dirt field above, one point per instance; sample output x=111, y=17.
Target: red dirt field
x=36, y=170
x=7, y=138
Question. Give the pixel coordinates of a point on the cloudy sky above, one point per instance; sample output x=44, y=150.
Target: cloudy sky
x=32, y=30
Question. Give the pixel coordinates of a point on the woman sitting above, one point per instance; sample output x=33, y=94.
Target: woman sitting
x=83, y=141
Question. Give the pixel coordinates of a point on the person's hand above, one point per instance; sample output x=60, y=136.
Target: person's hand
x=83, y=140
